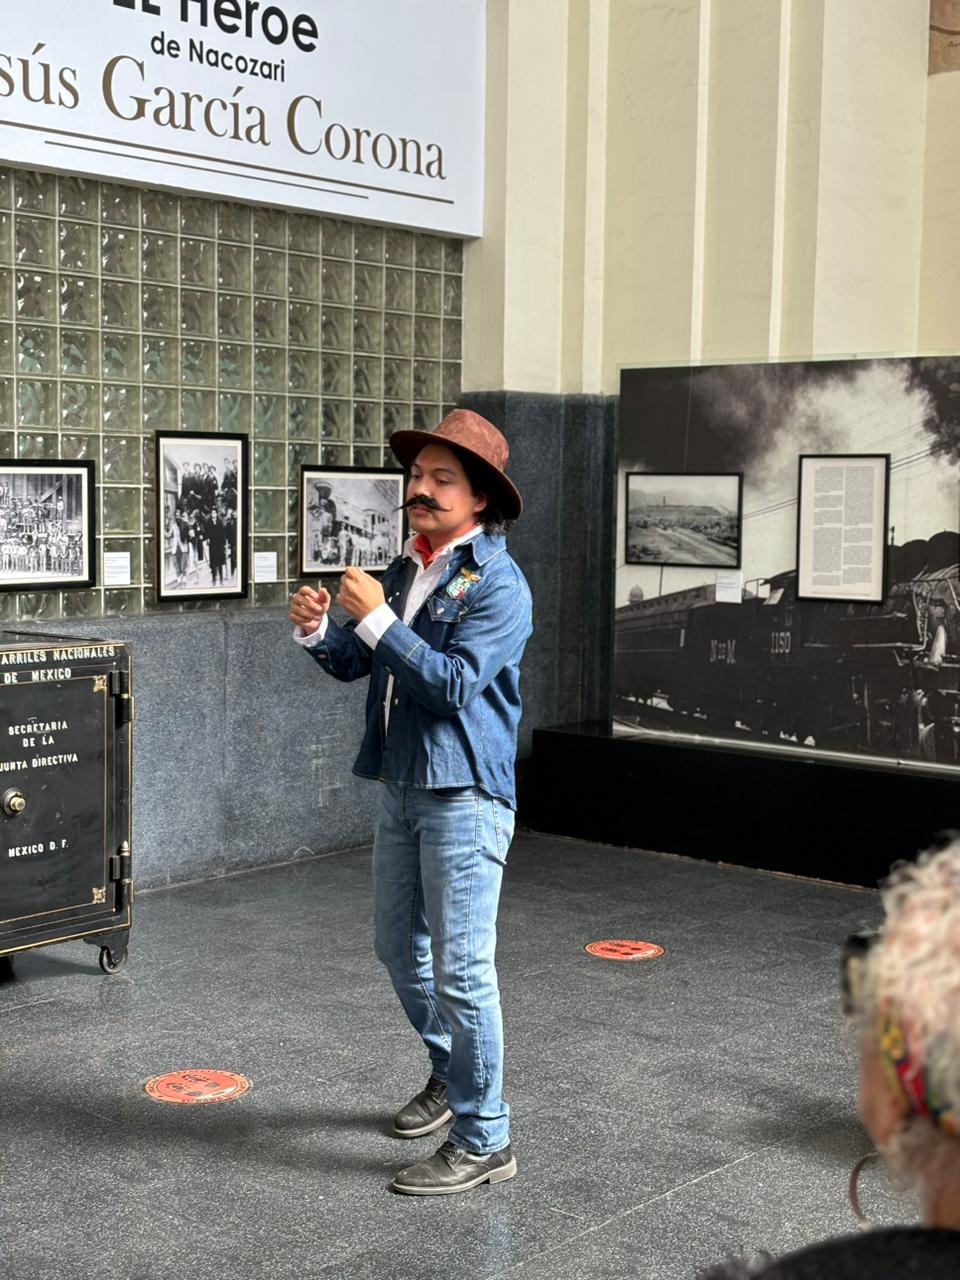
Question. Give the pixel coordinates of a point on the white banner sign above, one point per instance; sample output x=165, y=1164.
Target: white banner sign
x=368, y=109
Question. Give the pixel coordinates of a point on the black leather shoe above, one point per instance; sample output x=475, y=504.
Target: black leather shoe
x=424, y=1113
x=451, y=1169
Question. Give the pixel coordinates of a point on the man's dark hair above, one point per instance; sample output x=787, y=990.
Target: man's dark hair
x=478, y=477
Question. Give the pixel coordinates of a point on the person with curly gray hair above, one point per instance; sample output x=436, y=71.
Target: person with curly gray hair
x=902, y=987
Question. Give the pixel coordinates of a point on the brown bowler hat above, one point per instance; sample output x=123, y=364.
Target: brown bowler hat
x=467, y=432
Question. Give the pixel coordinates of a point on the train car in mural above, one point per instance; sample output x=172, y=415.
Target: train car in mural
x=878, y=679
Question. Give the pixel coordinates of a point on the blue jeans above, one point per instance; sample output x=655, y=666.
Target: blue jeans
x=438, y=862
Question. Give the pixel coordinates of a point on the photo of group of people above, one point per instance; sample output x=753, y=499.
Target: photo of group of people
x=204, y=529
x=46, y=524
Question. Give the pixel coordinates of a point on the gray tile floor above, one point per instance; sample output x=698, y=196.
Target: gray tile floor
x=664, y=1113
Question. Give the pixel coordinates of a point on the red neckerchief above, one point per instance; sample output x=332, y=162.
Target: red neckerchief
x=426, y=553
x=423, y=549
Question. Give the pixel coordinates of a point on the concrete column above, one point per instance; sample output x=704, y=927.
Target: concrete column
x=742, y=210
x=513, y=276
x=585, y=196
x=484, y=267
x=872, y=123
x=651, y=188
x=801, y=168
x=939, y=326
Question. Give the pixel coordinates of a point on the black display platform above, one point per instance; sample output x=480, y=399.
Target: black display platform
x=779, y=810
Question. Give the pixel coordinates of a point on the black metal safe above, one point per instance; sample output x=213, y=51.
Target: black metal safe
x=66, y=709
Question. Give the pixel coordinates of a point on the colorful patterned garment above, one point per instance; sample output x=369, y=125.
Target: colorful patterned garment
x=918, y=1082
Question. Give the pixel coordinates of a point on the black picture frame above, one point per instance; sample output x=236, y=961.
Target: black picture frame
x=48, y=524
x=188, y=559
x=684, y=545
x=370, y=534
x=881, y=543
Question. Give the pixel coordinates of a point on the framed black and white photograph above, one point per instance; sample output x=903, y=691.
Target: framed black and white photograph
x=349, y=517
x=202, y=515
x=842, y=516
x=47, y=525
x=684, y=521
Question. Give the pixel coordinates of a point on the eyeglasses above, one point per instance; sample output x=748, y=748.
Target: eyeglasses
x=857, y=946
x=855, y=952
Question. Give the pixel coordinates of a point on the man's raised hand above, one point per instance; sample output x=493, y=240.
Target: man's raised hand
x=360, y=593
x=308, y=607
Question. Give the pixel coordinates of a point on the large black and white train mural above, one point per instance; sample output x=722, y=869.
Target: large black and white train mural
x=869, y=679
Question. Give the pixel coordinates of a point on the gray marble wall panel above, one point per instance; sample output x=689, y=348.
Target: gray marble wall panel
x=243, y=747
x=562, y=451
x=179, y=746
x=586, y=521
x=288, y=784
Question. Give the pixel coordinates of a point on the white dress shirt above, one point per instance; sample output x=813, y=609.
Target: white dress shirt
x=372, y=627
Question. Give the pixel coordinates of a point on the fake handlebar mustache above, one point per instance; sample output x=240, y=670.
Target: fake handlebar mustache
x=422, y=500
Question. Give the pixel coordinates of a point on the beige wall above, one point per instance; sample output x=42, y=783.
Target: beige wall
x=709, y=180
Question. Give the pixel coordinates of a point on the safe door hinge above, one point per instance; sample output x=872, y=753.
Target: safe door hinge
x=120, y=689
x=119, y=867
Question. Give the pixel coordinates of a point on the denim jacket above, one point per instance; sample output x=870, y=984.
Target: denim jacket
x=456, y=693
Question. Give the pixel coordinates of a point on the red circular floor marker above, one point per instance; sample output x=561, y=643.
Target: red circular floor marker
x=624, y=949
x=197, y=1086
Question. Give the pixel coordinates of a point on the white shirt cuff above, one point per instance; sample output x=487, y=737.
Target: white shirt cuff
x=375, y=624
x=311, y=641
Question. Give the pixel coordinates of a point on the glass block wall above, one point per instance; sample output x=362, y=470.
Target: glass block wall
x=124, y=311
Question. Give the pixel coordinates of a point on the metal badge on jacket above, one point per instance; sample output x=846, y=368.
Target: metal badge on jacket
x=461, y=584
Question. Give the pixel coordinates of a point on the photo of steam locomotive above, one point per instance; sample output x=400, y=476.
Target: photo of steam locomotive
x=879, y=679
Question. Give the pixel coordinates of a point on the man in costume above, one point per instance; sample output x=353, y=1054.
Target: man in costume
x=441, y=639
